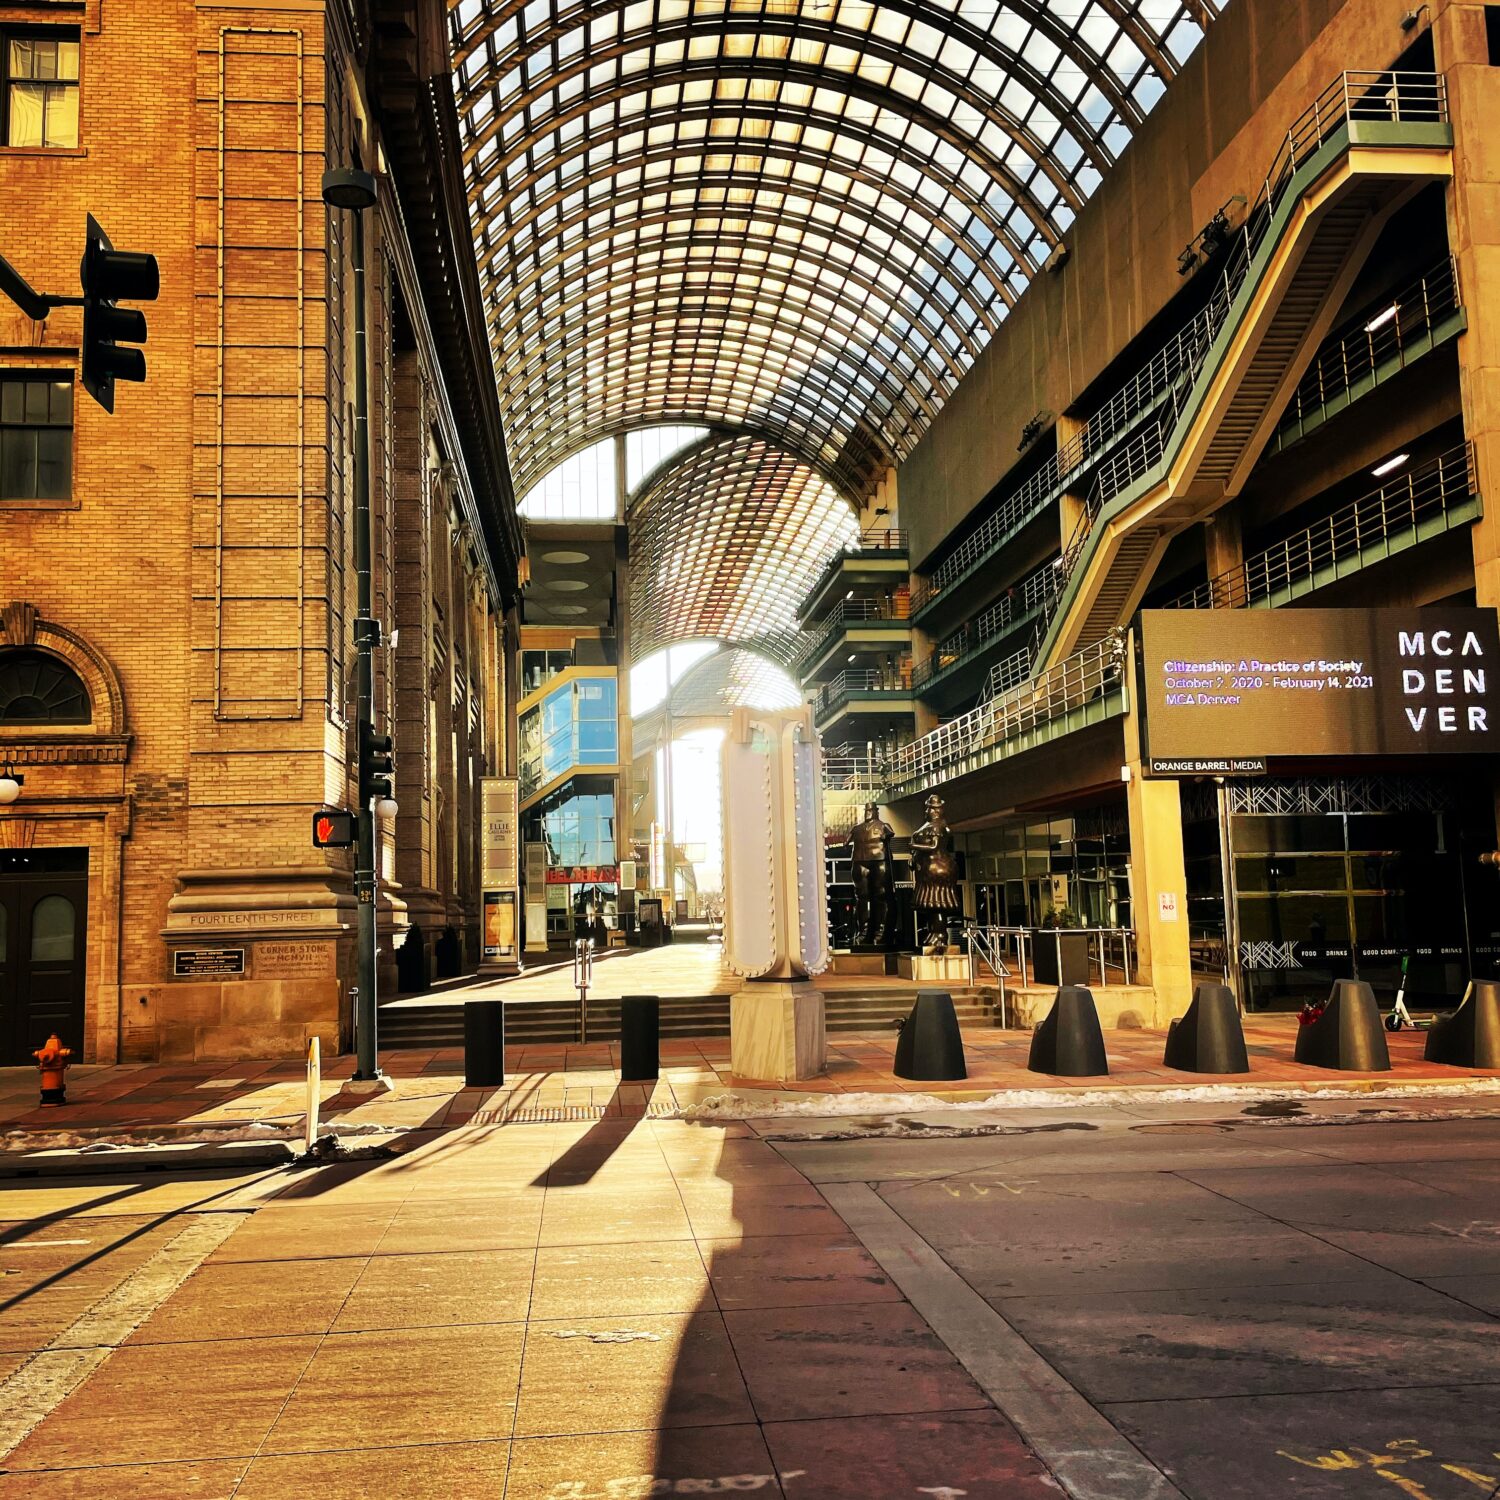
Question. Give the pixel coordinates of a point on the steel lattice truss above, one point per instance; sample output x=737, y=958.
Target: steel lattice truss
x=725, y=545
x=799, y=219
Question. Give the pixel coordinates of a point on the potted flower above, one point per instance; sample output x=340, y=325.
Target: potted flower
x=1061, y=955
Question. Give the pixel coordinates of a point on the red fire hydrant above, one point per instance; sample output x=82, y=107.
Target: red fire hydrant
x=53, y=1061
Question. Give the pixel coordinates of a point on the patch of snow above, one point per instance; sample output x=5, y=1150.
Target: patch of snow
x=824, y=1106
x=615, y=1336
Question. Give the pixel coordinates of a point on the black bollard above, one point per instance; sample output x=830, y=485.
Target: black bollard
x=1470, y=1037
x=1070, y=1043
x=1349, y=1036
x=484, y=1044
x=640, y=1038
x=1209, y=1038
x=930, y=1045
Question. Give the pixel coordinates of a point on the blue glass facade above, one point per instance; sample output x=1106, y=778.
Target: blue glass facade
x=575, y=724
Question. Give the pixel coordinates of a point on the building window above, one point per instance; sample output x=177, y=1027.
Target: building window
x=36, y=437
x=41, y=87
x=38, y=688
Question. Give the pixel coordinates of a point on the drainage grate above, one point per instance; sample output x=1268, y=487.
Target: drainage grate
x=557, y=1114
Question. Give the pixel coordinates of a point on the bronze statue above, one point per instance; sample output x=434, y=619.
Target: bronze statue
x=870, y=846
x=935, y=871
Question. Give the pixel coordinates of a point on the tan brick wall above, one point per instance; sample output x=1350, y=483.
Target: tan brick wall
x=207, y=554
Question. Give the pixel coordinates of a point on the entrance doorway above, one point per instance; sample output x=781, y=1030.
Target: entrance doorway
x=43, y=922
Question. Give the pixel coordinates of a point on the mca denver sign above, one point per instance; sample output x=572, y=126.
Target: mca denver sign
x=1450, y=683
x=1252, y=684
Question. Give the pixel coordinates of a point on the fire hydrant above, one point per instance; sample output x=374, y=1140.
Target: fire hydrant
x=53, y=1061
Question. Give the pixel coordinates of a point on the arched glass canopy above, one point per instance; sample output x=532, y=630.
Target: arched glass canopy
x=796, y=218
x=725, y=544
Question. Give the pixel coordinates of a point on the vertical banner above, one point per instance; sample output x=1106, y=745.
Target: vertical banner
x=499, y=870
x=538, y=898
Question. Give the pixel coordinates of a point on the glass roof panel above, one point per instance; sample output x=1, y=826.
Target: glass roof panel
x=725, y=544
x=872, y=165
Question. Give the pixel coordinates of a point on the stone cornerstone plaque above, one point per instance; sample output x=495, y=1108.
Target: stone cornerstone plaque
x=189, y=962
x=295, y=960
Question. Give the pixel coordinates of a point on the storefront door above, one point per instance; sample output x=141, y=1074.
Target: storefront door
x=43, y=912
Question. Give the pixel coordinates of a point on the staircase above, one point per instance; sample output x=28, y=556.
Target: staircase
x=1366, y=144
x=548, y=1022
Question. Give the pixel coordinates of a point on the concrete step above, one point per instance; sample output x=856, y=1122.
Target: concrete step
x=441, y=1023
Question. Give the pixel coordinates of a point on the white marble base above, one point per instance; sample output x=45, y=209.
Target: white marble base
x=925, y=968
x=776, y=1032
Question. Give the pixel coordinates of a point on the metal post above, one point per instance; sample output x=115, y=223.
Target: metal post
x=365, y=630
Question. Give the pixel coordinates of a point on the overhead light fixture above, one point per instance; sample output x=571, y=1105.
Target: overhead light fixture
x=849, y=596
x=1384, y=316
x=1381, y=470
x=11, y=783
x=854, y=656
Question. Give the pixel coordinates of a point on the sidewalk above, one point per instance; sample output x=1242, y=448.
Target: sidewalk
x=556, y=1083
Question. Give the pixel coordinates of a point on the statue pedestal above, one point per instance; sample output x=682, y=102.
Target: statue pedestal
x=776, y=1032
x=926, y=968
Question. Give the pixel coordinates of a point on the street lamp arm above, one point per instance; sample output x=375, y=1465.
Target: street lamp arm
x=15, y=286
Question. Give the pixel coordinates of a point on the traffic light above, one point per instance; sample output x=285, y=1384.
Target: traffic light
x=334, y=828
x=108, y=275
x=377, y=766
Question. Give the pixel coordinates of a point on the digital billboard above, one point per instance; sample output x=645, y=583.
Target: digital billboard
x=1224, y=689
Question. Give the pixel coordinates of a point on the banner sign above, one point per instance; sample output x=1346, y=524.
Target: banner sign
x=1226, y=688
x=500, y=836
x=583, y=875
x=499, y=924
x=499, y=868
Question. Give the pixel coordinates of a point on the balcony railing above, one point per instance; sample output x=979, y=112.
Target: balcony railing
x=852, y=770
x=845, y=613
x=1357, y=356
x=1432, y=496
x=833, y=694
x=1353, y=97
x=975, y=738
x=1010, y=610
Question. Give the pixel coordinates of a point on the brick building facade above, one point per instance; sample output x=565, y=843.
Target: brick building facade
x=193, y=570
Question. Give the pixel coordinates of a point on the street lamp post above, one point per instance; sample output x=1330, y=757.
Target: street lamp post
x=353, y=191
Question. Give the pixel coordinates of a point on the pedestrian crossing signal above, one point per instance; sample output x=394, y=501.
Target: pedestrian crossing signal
x=333, y=829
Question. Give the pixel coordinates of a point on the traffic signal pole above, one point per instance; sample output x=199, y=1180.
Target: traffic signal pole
x=366, y=631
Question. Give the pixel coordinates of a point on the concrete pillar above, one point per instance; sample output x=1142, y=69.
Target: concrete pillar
x=1224, y=548
x=1158, y=882
x=1461, y=50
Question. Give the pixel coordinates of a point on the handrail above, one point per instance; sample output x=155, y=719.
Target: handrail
x=848, y=612
x=1001, y=616
x=1083, y=677
x=864, y=680
x=1375, y=338
x=1103, y=943
x=1353, y=96
x=847, y=772
x=1430, y=490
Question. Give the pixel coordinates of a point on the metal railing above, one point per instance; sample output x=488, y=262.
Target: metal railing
x=1427, y=493
x=1355, y=353
x=850, y=771
x=1080, y=679
x=1148, y=386
x=1353, y=97
x=850, y=612
x=984, y=948
x=1004, y=675
x=878, y=539
x=1111, y=950
x=1008, y=611
x=896, y=681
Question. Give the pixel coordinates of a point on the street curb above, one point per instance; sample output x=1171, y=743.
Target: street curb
x=136, y=1159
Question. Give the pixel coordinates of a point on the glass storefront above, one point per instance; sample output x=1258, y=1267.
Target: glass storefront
x=1342, y=879
x=575, y=724
x=1026, y=869
x=576, y=827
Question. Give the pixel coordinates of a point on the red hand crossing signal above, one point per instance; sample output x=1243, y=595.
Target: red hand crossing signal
x=333, y=828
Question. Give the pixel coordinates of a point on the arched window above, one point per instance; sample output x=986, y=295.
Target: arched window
x=53, y=921
x=39, y=688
